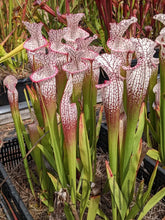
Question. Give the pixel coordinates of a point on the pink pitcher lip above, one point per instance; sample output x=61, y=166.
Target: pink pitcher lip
x=57, y=51
x=46, y=44
x=106, y=83
x=38, y=25
x=139, y=62
x=54, y=35
x=76, y=71
x=110, y=46
x=93, y=53
x=45, y=78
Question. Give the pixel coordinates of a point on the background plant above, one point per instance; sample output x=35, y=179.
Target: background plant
x=11, y=35
x=115, y=11
x=98, y=16
x=157, y=103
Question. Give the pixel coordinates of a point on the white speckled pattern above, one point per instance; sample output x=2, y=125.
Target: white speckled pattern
x=68, y=110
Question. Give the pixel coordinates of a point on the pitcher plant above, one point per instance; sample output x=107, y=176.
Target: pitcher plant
x=62, y=137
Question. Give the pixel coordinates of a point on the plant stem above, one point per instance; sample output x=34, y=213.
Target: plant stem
x=132, y=118
x=16, y=119
x=113, y=131
x=162, y=109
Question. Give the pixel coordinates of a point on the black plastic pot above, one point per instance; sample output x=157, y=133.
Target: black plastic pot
x=146, y=168
x=20, y=88
x=10, y=200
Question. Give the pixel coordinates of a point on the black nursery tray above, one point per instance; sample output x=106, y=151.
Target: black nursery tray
x=146, y=168
x=10, y=154
x=10, y=200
